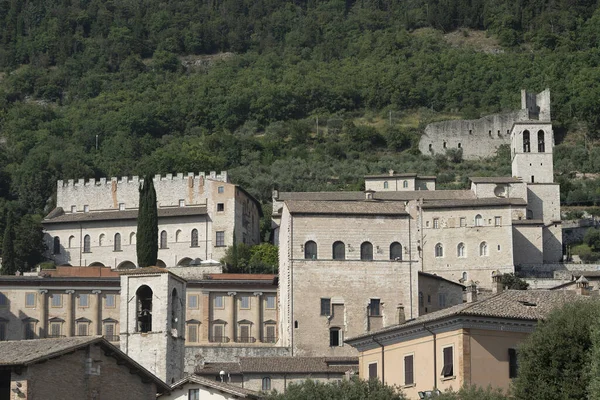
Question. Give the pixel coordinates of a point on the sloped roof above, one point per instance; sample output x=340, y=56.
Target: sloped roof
x=59, y=216
x=482, y=202
x=302, y=365
x=494, y=179
x=382, y=195
x=529, y=305
x=346, y=207
x=27, y=352
x=220, y=386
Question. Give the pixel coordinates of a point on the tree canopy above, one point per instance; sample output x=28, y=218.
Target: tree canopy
x=147, y=225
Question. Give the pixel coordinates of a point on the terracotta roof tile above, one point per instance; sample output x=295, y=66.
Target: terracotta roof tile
x=304, y=365
x=346, y=207
x=245, y=277
x=494, y=179
x=58, y=215
x=484, y=202
x=221, y=386
x=382, y=195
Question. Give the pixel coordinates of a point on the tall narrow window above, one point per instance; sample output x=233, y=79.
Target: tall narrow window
x=460, y=250
x=83, y=300
x=220, y=242
x=405, y=184
x=439, y=250
x=163, y=239
x=409, y=376
x=71, y=241
x=326, y=306
x=436, y=223
x=192, y=333
x=270, y=338
x=144, y=309
x=366, y=251
x=56, y=245
x=194, y=242
x=478, y=220
x=109, y=301
x=386, y=185
x=270, y=302
x=373, y=371
x=497, y=221
x=375, y=308
x=396, y=251
x=339, y=251
x=310, y=250
x=513, y=365
x=334, y=337
x=448, y=369
x=29, y=330
x=2, y=331
x=483, y=249
x=87, y=247
x=541, y=144
x=117, y=244
x=526, y=142
x=101, y=239
x=194, y=394
x=266, y=384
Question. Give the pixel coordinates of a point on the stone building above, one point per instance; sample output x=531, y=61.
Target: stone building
x=95, y=222
x=362, y=251
x=481, y=138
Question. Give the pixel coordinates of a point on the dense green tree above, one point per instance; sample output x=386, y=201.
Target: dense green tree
x=351, y=389
x=147, y=225
x=9, y=258
x=513, y=282
x=555, y=360
x=474, y=393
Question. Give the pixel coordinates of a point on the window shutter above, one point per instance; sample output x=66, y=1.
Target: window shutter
x=408, y=370
x=373, y=371
x=448, y=369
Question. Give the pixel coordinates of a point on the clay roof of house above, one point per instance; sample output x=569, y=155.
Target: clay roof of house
x=434, y=276
x=240, y=276
x=483, y=202
x=494, y=179
x=58, y=215
x=15, y=353
x=224, y=387
x=90, y=272
x=346, y=207
x=303, y=365
x=529, y=305
x=382, y=195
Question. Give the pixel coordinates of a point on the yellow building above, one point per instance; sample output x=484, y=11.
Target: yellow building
x=474, y=343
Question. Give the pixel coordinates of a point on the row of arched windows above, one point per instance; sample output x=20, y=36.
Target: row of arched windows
x=87, y=242
x=338, y=251
x=527, y=141
x=461, y=250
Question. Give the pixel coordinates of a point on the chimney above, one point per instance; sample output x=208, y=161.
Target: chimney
x=391, y=172
x=497, y=282
x=471, y=292
x=369, y=194
x=400, y=314
x=582, y=286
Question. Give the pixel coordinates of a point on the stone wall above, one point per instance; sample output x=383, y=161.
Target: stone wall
x=197, y=355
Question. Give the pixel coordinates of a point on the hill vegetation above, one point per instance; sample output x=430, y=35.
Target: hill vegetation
x=298, y=94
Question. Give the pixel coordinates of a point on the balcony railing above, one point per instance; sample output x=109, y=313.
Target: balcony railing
x=219, y=339
x=112, y=338
x=245, y=340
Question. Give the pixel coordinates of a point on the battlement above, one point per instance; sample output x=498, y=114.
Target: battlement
x=221, y=177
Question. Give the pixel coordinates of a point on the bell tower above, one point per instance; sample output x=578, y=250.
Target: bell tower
x=532, y=143
x=152, y=326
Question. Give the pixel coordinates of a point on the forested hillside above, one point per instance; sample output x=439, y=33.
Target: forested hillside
x=112, y=88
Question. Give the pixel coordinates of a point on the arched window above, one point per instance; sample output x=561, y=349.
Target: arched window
x=144, y=309
x=405, y=184
x=444, y=144
x=386, y=185
x=87, y=246
x=396, y=251
x=460, y=250
x=526, y=142
x=175, y=310
x=117, y=244
x=483, y=249
x=71, y=241
x=339, y=251
x=310, y=250
x=101, y=239
x=194, y=238
x=366, y=251
x=56, y=245
x=163, y=240
x=478, y=220
x=464, y=276
x=266, y=384
x=439, y=250
x=541, y=144
x=132, y=238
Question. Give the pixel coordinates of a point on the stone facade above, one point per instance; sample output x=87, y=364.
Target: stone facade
x=95, y=222
x=481, y=138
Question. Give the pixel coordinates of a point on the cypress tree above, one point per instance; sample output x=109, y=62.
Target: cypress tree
x=147, y=225
x=9, y=259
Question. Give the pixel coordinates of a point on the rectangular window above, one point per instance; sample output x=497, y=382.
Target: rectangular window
x=409, y=375
x=3, y=300
x=266, y=384
x=83, y=300
x=121, y=206
x=218, y=337
x=109, y=301
x=271, y=334
x=29, y=330
x=193, y=333
x=2, y=330
x=441, y=300
x=270, y=302
x=448, y=369
x=436, y=223
x=86, y=208
x=181, y=203
x=220, y=207
x=221, y=189
x=73, y=209
x=194, y=394
x=335, y=338
x=220, y=239
x=463, y=222
x=82, y=329
x=326, y=307
x=109, y=332
x=498, y=221
x=245, y=302
x=56, y=300
x=375, y=308
x=219, y=301
x=193, y=301
x=55, y=329
x=245, y=333
x=373, y=371
x=30, y=300
x=513, y=364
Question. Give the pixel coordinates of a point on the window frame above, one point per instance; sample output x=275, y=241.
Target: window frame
x=338, y=250
x=370, y=368
x=245, y=298
x=463, y=222
x=189, y=302
x=338, y=331
x=220, y=239
x=80, y=325
x=366, y=251
x=190, y=337
x=374, y=309
x=497, y=221
x=266, y=384
x=396, y=248
x=222, y=301
x=267, y=306
x=220, y=207
x=436, y=223
x=309, y=246
x=85, y=296
x=478, y=220
x=27, y=295
x=194, y=238
x=439, y=250
x=325, y=307
x=193, y=394
x=29, y=330
x=513, y=363
x=448, y=362
x=56, y=296
x=484, y=249
x=117, y=242
x=87, y=244
x=164, y=240
x=114, y=300
x=461, y=250
x=407, y=375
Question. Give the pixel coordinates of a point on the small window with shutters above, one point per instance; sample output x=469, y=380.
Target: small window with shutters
x=192, y=333
x=513, y=365
x=270, y=334
x=409, y=375
x=82, y=329
x=373, y=371
x=448, y=369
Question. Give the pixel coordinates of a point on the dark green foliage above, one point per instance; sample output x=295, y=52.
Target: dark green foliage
x=353, y=389
x=474, y=393
x=9, y=259
x=147, y=225
x=555, y=360
x=511, y=281
x=592, y=239
x=262, y=258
